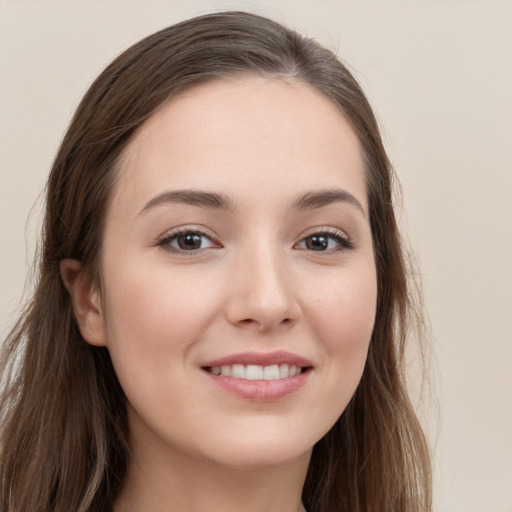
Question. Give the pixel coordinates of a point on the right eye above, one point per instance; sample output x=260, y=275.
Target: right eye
x=187, y=241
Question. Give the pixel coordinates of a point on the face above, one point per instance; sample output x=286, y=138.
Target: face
x=238, y=273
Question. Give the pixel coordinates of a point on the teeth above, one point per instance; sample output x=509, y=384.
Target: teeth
x=253, y=372
x=284, y=371
x=271, y=372
x=238, y=371
x=256, y=372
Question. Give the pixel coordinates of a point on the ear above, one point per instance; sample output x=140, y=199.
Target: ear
x=86, y=301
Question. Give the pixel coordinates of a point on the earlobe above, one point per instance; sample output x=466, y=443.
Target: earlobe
x=86, y=301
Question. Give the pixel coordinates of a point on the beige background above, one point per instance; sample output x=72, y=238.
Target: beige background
x=439, y=74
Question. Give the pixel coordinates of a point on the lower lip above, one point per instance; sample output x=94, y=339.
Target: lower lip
x=261, y=390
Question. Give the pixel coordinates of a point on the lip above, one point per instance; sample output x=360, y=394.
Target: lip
x=261, y=359
x=260, y=390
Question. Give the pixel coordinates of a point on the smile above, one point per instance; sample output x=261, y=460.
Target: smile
x=261, y=377
x=256, y=372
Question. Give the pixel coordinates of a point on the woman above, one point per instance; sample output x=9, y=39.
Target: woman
x=222, y=303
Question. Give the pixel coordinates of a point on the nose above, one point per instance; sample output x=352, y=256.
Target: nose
x=262, y=291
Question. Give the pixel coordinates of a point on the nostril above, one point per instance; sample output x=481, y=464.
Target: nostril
x=263, y=325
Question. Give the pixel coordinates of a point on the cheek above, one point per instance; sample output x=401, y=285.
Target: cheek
x=153, y=320
x=343, y=319
x=345, y=309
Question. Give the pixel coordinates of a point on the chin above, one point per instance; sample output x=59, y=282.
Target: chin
x=260, y=450
x=251, y=458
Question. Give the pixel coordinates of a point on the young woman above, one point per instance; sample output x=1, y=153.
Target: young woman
x=221, y=309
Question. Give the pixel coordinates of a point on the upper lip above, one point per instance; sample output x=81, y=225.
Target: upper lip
x=260, y=359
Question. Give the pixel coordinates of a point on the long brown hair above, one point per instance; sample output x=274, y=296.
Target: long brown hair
x=63, y=430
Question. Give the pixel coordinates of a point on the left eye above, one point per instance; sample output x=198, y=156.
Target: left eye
x=187, y=241
x=324, y=242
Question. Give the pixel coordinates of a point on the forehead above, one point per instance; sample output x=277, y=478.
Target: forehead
x=222, y=134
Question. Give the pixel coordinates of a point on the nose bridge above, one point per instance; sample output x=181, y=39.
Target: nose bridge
x=269, y=276
x=263, y=293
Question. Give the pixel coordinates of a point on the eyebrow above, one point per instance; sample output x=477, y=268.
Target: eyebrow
x=318, y=199
x=193, y=197
x=219, y=201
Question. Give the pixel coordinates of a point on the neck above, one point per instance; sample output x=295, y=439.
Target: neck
x=161, y=479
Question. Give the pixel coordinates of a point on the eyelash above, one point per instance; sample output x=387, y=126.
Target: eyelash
x=341, y=239
x=166, y=241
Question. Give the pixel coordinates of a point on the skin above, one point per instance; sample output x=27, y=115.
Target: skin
x=254, y=284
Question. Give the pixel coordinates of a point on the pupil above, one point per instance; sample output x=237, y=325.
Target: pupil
x=317, y=242
x=189, y=241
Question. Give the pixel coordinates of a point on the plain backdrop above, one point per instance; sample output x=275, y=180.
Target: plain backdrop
x=439, y=74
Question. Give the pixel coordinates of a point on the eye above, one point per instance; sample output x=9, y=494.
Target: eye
x=187, y=241
x=325, y=241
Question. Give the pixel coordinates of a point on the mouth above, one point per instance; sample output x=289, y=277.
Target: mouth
x=257, y=372
x=260, y=377
x=259, y=366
